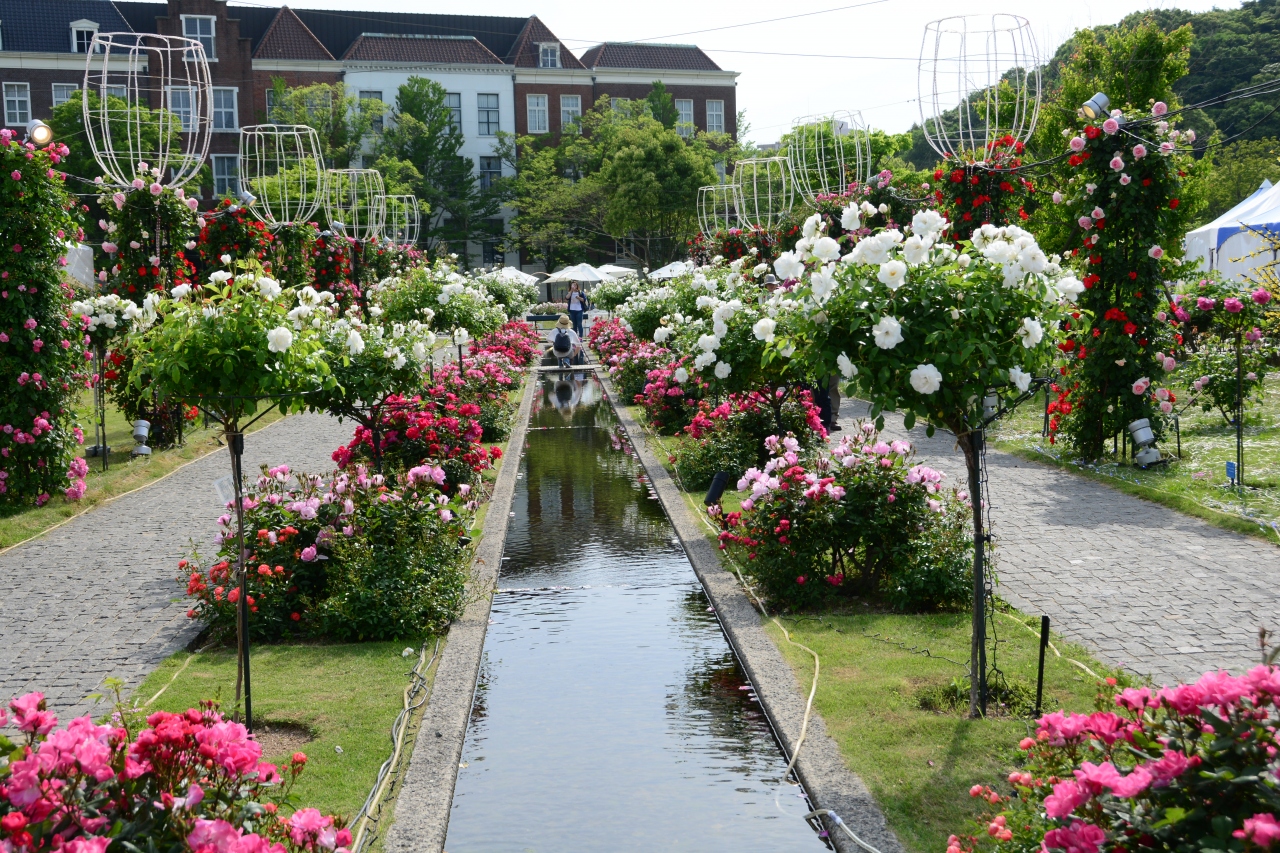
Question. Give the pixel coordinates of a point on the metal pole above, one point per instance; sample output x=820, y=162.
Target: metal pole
x=1044, y=644
x=235, y=442
x=1239, y=410
x=978, y=649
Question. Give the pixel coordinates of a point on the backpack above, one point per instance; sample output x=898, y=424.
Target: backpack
x=561, y=343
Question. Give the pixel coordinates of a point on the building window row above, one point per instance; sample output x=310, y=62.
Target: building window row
x=537, y=113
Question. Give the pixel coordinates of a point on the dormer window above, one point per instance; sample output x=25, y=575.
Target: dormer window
x=549, y=55
x=82, y=33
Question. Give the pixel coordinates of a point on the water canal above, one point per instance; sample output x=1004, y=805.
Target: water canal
x=611, y=713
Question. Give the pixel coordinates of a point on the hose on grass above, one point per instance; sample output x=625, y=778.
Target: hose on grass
x=415, y=696
x=813, y=687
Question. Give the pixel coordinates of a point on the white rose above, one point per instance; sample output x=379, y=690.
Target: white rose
x=1031, y=332
x=1070, y=287
x=822, y=282
x=181, y=291
x=759, y=270
x=268, y=287
x=460, y=336
x=926, y=379
x=219, y=277
x=681, y=375
x=703, y=360
x=661, y=334
x=708, y=343
x=719, y=328
x=812, y=226
x=788, y=266
x=849, y=219
x=279, y=339
x=888, y=332
x=927, y=222
x=892, y=274
x=847, y=368
x=963, y=261
x=226, y=259
x=355, y=343
x=419, y=352
x=1020, y=379
x=723, y=369
x=915, y=250
x=826, y=249
x=764, y=329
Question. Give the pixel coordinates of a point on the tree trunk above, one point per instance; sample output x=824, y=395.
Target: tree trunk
x=971, y=444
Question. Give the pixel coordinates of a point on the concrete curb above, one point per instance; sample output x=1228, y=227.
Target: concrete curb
x=830, y=784
x=421, y=818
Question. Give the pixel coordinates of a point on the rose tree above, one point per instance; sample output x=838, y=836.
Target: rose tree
x=932, y=329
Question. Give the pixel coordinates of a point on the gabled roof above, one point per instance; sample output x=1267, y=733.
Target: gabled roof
x=46, y=26
x=337, y=30
x=382, y=47
x=524, y=53
x=289, y=38
x=664, y=57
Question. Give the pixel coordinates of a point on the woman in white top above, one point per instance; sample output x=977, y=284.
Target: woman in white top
x=577, y=307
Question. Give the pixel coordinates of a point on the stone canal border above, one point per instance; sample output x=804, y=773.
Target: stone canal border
x=421, y=816
x=830, y=784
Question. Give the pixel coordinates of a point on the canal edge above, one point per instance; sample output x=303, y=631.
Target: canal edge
x=821, y=769
x=421, y=817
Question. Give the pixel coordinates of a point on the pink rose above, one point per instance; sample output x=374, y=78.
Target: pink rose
x=1140, y=387
x=1085, y=222
x=1261, y=829
x=1057, y=198
x=1233, y=305
x=308, y=554
x=1124, y=180
x=192, y=203
x=1110, y=126
x=1117, y=164
x=17, y=176
x=110, y=248
x=1160, y=108
x=1139, y=151
x=1204, y=303
x=1098, y=213
x=138, y=183
x=1261, y=296
x=156, y=189
x=1166, y=407
x=1077, y=143
x=1080, y=837
x=1156, y=252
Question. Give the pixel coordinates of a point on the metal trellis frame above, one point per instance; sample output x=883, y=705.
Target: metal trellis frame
x=764, y=189
x=282, y=166
x=828, y=153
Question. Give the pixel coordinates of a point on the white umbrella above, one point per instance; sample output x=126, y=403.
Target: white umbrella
x=513, y=274
x=579, y=272
x=671, y=270
x=616, y=271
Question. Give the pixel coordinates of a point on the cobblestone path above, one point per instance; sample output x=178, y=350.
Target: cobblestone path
x=1144, y=587
x=97, y=597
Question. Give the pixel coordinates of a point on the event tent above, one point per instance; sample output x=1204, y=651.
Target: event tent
x=1224, y=244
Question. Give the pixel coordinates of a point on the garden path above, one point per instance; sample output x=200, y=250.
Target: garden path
x=97, y=597
x=1143, y=586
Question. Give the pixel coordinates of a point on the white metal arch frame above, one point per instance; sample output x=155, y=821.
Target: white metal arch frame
x=717, y=208
x=401, y=220
x=353, y=203
x=282, y=166
x=168, y=77
x=986, y=72
x=764, y=190
x=827, y=153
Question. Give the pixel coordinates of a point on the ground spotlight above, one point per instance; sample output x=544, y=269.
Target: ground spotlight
x=1144, y=443
x=141, y=429
x=718, y=484
x=38, y=132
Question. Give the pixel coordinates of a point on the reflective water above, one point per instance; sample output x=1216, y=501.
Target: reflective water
x=611, y=713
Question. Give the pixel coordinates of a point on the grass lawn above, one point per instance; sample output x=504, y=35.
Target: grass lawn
x=919, y=763
x=1195, y=484
x=341, y=696
x=123, y=475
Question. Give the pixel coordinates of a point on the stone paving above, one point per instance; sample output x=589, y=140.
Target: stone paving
x=98, y=598
x=1144, y=587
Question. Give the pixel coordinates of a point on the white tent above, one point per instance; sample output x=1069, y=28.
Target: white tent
x=671, y=270
x=1224, y=243
x=615, y=271
x=579, y=272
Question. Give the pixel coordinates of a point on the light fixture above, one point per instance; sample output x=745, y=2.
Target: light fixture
x=39, y=132
x=1096, y=107
x=141, y=429
x=1144, y=442
x=990, y=406
x=718, y=484
x=247, y=198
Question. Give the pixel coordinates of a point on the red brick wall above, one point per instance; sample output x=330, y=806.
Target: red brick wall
x=698, y=94
x=553, y=93
x=41, y=86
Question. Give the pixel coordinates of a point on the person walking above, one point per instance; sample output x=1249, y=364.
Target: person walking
x=577, y=307
x=565, y=343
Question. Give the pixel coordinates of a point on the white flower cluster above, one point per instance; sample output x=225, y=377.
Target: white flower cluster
x=101, y=311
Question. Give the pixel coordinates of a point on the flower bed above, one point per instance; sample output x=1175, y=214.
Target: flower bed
x=516, y=341
x=485, y=379
x=860, y=520
x=192, y=781
x=1190, y=767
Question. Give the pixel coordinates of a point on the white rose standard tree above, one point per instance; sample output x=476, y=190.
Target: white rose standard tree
x=232, y=348
x=932, y=329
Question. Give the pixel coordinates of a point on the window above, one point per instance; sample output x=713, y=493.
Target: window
x=62, y=92
x=549, y=55
x=180, y=101
x=491, y=254
x=488, y=119
x=570, y=110
x=226, y=174
x=82, y=33
x=537, y=109
x=200, y=28
x=17, y=104
x=490, y=170
x=224, y=110
x=614, y=103
x=374, y=95
x=684, y=123
x=715, y=116
x=271, y=106
x=121, y=92
x=453, y=101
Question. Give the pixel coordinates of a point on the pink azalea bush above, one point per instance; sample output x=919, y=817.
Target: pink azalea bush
x=181, y=782
x=860, y=519
x=1185, y=768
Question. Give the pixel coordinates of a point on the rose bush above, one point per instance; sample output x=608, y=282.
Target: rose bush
x=516, y=341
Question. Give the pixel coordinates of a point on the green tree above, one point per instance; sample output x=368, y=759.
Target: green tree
x=1239, y=168
x=342, y=120
x=554, y=211
x=662, y=107
x=421, y=132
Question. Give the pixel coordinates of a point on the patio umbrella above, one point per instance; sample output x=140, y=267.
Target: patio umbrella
x=671, y=270
x=579, y=272
x=615, y=271
x=513, y=274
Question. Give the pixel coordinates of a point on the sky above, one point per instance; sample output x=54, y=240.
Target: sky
x=824, y=56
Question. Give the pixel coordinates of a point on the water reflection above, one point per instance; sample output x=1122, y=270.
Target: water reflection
x=610, y=714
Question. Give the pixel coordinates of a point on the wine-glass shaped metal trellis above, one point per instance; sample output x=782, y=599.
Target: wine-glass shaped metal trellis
x=354, y=204
x=147, y=99
x=827, y=153
x=401, y=220
x=717, y=208
x=764, y=191
x=282, y=166
x=979, y=81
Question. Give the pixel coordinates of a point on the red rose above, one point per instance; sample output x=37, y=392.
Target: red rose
x=1173, y=204
x=1130, y=328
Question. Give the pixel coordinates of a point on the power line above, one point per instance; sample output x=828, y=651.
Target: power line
x=755, y=23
